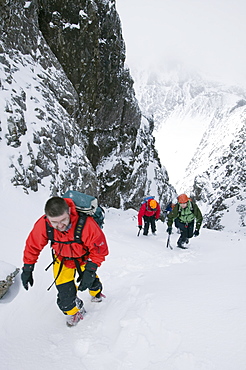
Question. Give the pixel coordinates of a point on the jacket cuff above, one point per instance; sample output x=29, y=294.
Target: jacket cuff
x=91, y=266
x=28, y=267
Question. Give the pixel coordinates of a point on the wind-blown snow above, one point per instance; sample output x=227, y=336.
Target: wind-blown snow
x=164, y=309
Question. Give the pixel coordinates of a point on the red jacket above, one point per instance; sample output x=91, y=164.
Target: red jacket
x=145, y=210
x=94, y=241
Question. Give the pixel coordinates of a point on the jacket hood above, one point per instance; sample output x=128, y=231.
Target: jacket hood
x=72, y=206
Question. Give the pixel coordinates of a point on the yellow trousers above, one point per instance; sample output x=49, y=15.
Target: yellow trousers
x=67, y=299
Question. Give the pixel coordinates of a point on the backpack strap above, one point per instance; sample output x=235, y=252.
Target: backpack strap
x=49, y=231
x=79, y=227
x=147, y=206
x=77, y=232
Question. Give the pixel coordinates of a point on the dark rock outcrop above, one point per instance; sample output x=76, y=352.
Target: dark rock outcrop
x=71, y=119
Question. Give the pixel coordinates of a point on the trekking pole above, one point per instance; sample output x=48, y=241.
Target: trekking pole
x=168, y=242
x=138, y=232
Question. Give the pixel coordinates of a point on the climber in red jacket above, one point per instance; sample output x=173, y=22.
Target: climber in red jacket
x=69, y=255
x=150, y=212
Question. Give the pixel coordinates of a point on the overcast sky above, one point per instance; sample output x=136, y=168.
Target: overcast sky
x=208, y=35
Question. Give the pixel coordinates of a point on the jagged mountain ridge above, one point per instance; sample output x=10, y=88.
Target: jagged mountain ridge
x=70, y=118
x=215, y=173
x=222, y=185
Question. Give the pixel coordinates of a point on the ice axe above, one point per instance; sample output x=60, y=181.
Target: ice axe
x=168, y=242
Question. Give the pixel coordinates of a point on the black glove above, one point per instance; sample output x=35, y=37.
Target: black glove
x=196, y=233
x=26, y=275
x=89, y=276
x=169, y=230
x=140, y=227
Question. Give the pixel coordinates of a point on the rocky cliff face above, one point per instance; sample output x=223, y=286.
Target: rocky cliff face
x=221, y=188
x=69, y=115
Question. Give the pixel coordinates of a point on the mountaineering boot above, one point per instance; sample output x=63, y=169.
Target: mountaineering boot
x=186, y=241
x=154, y=233
x=73, y=320
x=98, y=297
x=181, y=243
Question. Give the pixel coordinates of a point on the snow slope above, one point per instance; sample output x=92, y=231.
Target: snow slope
x=164, y=309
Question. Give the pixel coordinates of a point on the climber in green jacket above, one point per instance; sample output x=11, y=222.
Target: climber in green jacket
x=185, y=212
